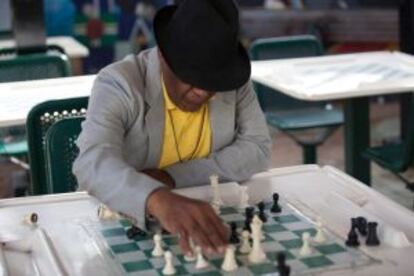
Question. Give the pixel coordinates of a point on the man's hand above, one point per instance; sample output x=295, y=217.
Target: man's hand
x=189, y=218
x=161, y=176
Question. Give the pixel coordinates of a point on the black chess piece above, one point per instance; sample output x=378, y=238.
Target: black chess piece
x=276, y=207
x=247, y=225
x=234, y=236
x=284, y=270
x=372, y=238
x=249, y=213
x=361, y=224
x=352, y=238
x=134, y=231
x=262, y=214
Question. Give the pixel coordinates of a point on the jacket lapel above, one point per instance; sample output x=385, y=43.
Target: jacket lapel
x=154, y=118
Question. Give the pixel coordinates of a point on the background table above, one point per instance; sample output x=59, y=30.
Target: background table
x=73, y=49
x=352, y=77
x=18, y=98
x=311, y=189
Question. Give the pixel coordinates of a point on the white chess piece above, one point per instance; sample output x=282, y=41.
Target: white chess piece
x=305, y=249
x=201, y=262
x=169, y=268
x=216, y=208
x=245, y=243
x=191, y=257
x=319, y=236
x=105, y=213
x=158, y=251
x=216, y=190
x=244, y=198
x=229, y=262
x=256, y=255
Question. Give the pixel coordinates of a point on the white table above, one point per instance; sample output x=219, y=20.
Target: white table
x=353, y=77
x=73, y=49
x=315, y=191
x=18, y=98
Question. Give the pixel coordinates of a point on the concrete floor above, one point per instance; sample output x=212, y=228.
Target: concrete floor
x=384, y=125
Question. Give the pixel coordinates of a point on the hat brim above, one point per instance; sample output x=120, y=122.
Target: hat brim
x=232, y=74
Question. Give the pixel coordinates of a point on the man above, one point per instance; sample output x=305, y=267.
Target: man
x=171, y=117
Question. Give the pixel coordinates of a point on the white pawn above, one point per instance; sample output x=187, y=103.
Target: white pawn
x=169, y=268
x=216, y=190
x=201, y=262
x=256, y=255
x=319, y=236
x=245, y=243
x=229, y=262
x=191, y=257
x=244, y=198
x=306, y=249
x=158, y=250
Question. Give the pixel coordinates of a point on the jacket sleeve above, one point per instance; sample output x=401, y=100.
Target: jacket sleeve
x=100, y=167
x=248, y=154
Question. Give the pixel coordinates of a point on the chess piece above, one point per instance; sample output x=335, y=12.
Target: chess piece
x=201, y=262
x=362, y=224
x=284, y=270
x=169, y=268
x=216, y=208
x=305, y=249
x=245, y=243
x=216, y=191
x=244, y=198
x=319, y=236
x=134, y=231
x=372, y=238
x=247, y=227
x=229, y=262
x=276, y=207
x=105, y=213
x=249, y=212
x=158, y=251
x=234, y=236
x=262, y=214
x=352, y=239
x=257, y=254
x=31, y=219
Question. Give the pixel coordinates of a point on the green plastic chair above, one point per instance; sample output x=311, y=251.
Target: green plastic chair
x=60, y=153
x=40, y=118
x=51, y=63
x=308, y=123
x=396, y=157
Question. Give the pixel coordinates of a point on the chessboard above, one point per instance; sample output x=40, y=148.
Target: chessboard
x=282, y=231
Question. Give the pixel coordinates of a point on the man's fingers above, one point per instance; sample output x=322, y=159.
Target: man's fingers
x=220, y=227
x=200, y=238
x=184, y=243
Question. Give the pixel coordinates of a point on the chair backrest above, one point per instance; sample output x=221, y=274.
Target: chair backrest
x=409, y=139
x=60, y=153
x=48, y=64
x=40, y=118
x=280, y=48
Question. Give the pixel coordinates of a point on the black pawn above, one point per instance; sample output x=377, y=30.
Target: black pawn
x=352, y=238
x=372, y=238
x=361, y=224
x=284, y=270
x=249, y=212
x=262, y=214
x=276, y=208
x=134, y=231
x=247, y=225
x=234, y=237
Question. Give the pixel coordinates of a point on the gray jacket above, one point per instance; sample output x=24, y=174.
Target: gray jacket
x=123, y=134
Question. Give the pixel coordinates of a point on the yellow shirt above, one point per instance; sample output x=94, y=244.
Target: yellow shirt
x=187, y=135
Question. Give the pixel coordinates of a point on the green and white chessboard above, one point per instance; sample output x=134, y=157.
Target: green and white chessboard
x=283, y=233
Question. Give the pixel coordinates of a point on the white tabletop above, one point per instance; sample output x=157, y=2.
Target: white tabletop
x=72, y=47
x=316, y=192
x=18, y=98
x=338, y=76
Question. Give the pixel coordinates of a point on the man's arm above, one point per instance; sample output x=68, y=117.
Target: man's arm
x=100, y=167
x=249, y=153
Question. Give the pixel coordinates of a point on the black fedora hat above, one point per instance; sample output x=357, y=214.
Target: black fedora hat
x=199, y=41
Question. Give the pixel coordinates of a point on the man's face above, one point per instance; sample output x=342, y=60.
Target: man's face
x=185, y=96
